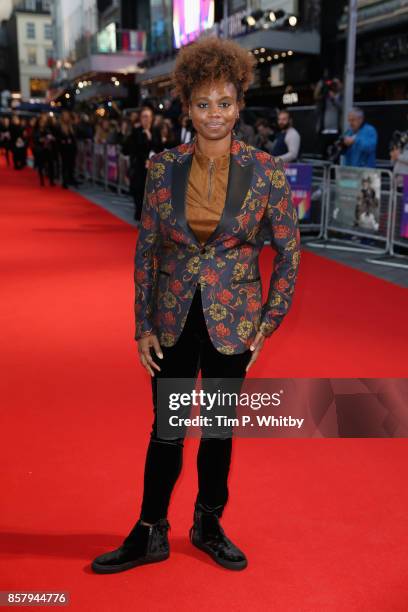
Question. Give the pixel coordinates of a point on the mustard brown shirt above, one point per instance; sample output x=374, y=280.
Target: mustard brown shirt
x=206, y=191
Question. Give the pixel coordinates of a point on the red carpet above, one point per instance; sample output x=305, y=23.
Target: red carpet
x=324, y=522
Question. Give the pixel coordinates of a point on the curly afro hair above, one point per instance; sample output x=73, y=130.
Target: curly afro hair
x=212, y=59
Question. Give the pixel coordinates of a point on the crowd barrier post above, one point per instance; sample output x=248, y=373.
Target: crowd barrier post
x=123, y=178
x=112, y=167
x=398, y=227
x=105, y=166
x=88, y=145
x=358, y=206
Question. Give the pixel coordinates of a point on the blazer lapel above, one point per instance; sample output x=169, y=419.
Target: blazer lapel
x=239, y=181
x=179, y=182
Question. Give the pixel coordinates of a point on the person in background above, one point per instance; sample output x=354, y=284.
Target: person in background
x=141, y=143
x=43, y=143
x=83, y=128
x=113, y=133
x=134, y=119
x=158, y=121
x=264, y=135
x=123, y=132
x=184, y=129
x=53, y=124
x=102, y=131
x=328, y=97
x=244, y=131
x=286, y=145
x=359, y=141
x=29, y=132
x=168, y=138
x=5, y=137
x=18, y=142
x=173, y=107
x=67, y=146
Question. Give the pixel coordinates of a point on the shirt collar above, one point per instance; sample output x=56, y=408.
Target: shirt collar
x=221, y=161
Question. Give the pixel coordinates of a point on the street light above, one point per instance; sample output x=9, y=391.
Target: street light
x=250, y=20
x=275, y=15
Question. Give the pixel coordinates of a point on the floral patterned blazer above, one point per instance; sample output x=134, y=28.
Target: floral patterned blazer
x=170, y=261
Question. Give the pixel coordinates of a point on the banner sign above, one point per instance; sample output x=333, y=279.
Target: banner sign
x=300, y=180
x=404, y=218
x=357, y=198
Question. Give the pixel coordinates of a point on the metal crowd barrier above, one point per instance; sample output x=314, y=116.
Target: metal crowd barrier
x=103, y=164
x=318, y=198
x=398, y=232
x=84, y=163
x=318, y=195
x=362, y=214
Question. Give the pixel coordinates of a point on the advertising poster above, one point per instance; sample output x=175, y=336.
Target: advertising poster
x=190, y=19
x=300, y=179
x=404, y=218
x=357, y=198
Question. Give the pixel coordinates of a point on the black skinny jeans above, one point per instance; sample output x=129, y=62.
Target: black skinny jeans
x=193, y=351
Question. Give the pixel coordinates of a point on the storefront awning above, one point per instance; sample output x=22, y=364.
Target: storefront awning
x=307, y=42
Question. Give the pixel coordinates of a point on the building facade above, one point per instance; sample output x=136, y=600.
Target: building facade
x=31, y=48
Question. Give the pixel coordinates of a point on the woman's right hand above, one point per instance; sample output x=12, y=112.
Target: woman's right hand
x=144, y=345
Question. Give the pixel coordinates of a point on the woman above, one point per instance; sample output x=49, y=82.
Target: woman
x=143, y=140
x=184, y=129
x=67, y=146
x=198, y=291
x=18, y=142
x=5, y=137
x=43, y=149
x=168, y=138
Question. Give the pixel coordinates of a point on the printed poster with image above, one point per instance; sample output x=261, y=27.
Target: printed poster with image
x=357, y=198
x=300, y=180
x=404, y=217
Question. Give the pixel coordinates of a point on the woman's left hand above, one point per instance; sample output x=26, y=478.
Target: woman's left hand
x=256, y=347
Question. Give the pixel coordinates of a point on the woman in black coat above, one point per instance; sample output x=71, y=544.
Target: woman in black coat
x=44, y=144
x=67, y=145
x=18, y=143
x=142, y=140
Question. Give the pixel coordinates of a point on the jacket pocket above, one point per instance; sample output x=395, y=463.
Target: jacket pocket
x=247, y=280
x=164, y=272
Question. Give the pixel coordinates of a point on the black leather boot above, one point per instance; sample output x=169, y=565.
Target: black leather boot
x=208, y=535
x=144, y=544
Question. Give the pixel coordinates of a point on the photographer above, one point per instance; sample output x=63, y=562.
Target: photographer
x=327, y=95
x=359, y=141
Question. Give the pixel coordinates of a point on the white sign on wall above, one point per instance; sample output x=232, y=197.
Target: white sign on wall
x=290, y=6
x=277, y=75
